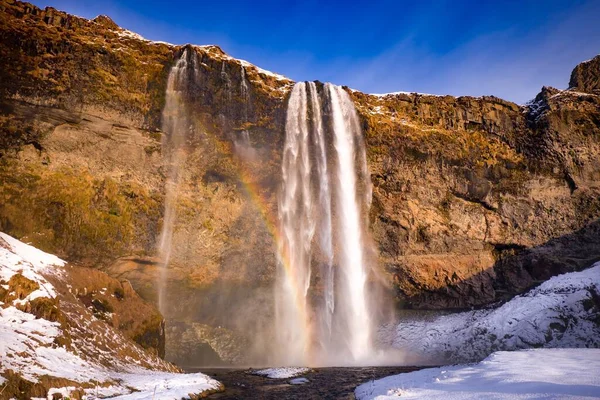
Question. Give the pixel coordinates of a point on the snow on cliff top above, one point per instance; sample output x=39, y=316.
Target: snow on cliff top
x=525, y=374
x=409, y=93
x=216, y=52
x=29, y=345
x=127, y=34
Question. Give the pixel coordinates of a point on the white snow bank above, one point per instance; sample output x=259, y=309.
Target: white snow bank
x=162, y=385
x=558, y=313
x=525, y=374
x=409, y=93
x=37, y=258
x=22, y=337
x=19, y=258
x=281, y=373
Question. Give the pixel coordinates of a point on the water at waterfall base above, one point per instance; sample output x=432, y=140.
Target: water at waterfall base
x=323, y=383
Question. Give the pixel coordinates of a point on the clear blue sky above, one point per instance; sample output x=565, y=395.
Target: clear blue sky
x=505, y=48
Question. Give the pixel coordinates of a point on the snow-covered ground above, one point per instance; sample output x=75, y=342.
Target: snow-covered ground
x=524, y=374
x=562, y=312
x=281, y=373
x=29, y=345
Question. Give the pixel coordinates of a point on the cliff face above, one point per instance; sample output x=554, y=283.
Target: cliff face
x=475, y=199
x=586, y=76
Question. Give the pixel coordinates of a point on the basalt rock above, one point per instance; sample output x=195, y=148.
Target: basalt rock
x=474, y=199
x=586, y=76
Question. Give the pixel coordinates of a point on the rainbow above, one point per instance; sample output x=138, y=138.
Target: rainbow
x=271, y=221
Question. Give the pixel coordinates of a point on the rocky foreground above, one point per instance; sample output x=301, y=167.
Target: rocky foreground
x=73, y=332
x=475, y=200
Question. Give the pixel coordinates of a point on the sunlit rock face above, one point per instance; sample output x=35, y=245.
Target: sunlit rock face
x=586, y=76
x=474, y=199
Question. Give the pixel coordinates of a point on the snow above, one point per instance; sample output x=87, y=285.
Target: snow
x=263, y=71
x=28, y=345
x=525, y=374
x=127, y=34
x=298, y=381
x=281, y=373
x=19, y=258
x=570, y=92
x=555, y=314
x=161, y=385
x=401, y=92
x=22, y=341
x=214, y=52
x=37, y=258
x=130, y=35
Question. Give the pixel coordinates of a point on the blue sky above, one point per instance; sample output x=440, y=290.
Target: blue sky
x=509, y=49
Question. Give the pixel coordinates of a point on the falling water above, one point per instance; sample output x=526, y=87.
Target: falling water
x=297, y=229
x=328, y=303
x=351, y=260
x=175, y=125
x=322, y=316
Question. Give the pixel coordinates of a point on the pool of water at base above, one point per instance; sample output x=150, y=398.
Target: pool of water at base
x=323, y=383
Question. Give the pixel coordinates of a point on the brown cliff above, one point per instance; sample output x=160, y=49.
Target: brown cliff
x=475, y=199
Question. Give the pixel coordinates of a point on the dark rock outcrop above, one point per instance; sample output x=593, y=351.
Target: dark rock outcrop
x=586, y=76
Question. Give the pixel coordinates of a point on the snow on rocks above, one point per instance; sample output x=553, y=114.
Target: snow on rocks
x=94, y=357
x=19, y=258
x=561, y=312
x=281, y=373
x=407, y=93
x=298, y=381
x=525, y=374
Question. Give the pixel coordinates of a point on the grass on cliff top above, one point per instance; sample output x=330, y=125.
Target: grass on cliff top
x=386, y=135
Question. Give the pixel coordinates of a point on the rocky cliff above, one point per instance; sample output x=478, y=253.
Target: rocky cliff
x=70, y=330
x=475, y=199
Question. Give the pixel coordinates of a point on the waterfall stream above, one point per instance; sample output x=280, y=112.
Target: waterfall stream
x=175, y=124
x=322, y=315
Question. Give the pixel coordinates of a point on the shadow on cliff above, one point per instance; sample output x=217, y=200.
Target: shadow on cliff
x=515, y=270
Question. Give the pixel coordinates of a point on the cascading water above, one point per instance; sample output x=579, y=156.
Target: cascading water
x=297, y=229
x=351, y=257
x=326, y=246
x=175, y=124
x=323, y=318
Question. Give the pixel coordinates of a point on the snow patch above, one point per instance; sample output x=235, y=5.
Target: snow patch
x=124, y=33
x=19, y=258
x=37, y=258
x=162, y=385
x=408, y=93
x=525, y=374
x=299, y=381
x=555, y=314
x=281, y=373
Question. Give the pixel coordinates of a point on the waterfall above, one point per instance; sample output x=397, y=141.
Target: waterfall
x=322, y=315
x=351, y=259
x=328, y=303
x=175, y=126
x=297, y=228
